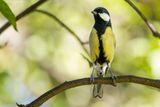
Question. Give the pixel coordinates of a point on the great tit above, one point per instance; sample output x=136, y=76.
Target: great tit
x=102, y=47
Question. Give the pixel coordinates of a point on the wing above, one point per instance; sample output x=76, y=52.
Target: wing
x=94, y=45
x=108, y=40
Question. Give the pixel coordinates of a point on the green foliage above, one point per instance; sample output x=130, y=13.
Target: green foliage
x=7, y=12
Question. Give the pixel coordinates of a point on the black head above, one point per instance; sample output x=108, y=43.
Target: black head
x=101, y=14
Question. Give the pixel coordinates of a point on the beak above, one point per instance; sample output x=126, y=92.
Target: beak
x=93, y=12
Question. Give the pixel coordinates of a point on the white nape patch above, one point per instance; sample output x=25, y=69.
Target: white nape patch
x=104, y=16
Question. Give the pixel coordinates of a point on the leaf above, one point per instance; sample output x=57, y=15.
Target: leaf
x=7, y=12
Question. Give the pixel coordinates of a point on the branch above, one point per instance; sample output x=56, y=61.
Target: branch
x=65, y=26
x=148, y=23
x=24, y=13
x=86, y=81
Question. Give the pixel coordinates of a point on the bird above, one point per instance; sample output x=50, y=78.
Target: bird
x=102, y=45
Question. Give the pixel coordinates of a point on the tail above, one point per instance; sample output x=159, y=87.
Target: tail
x=98, y=91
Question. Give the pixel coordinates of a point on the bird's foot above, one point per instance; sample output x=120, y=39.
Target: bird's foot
x=113, y=78
x=91, y=78
x=114, y=83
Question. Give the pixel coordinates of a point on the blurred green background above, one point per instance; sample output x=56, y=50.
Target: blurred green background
x=42, y=54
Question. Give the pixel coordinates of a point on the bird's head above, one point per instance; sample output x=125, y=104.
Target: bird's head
x=101, y=14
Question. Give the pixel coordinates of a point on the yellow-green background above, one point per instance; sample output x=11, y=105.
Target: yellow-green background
x=42, y=54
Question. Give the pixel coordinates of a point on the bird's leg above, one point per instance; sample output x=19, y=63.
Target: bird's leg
x=92, y=75
x=113, y=77
x=108, y=69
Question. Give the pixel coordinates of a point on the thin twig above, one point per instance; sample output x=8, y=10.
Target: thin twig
x=148, y=23
x=63, y=25
x=85, y=43
x=23, y=13
x=86, y=81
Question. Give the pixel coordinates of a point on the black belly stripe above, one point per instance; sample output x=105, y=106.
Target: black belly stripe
x=101, y=58
x=100, y=28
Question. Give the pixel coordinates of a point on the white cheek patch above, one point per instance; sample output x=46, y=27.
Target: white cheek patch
x=104, y=16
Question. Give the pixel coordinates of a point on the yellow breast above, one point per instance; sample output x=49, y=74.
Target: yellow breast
x=94, y=45
x=108, y=42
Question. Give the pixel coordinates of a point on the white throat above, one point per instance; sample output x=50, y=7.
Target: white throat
x=104, y=16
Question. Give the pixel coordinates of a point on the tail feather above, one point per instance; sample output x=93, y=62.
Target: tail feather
x=100, y=73
x=98, y=91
